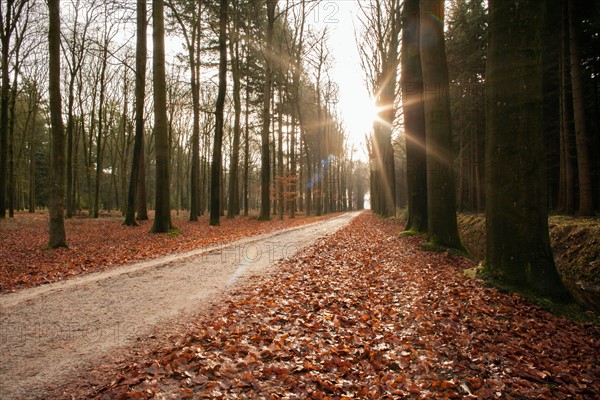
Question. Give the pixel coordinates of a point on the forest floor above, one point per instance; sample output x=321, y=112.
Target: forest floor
x=104, y=243
x=50, y=333
x=363, y=313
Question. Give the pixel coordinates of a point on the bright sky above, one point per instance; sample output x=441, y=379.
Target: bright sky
x=355, y=105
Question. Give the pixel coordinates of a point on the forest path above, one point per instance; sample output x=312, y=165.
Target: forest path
x=50, y=332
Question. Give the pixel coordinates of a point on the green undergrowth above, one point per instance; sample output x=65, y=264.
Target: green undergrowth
x=174, y=232
x=411, y=233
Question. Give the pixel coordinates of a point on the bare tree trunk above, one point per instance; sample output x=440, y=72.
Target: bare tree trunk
x=233, y=190
x=273, y=162
x=140, y=96
x=265, y=175
x=586, y=199
x=32, y=150
x=162, y=218
x=567, y=169
x=10, y=189
x=280, y=177
x=215, y=176
x=441, y=200
x=8, y=17
x=57, y=181
x=414, y=119
x=247, y=145
x=293, y=169
x=518, y=244
x=101, y=123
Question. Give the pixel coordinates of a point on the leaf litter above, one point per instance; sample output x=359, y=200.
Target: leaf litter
x=363, y=314
x=100, y=244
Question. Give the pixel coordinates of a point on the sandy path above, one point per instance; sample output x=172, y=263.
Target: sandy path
x=46, y=333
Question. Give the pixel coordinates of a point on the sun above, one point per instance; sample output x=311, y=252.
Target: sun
x=372, y=110
x=360, y=114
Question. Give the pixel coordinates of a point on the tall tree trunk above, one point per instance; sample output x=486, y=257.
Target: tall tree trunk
x=76, y=189
x=195, y=175
x=140, y=97
x=101, y=122
x=70, y=123
x=57, y=180
x=195, y=187
x=247, y=145
x=162, y=218
x=297, y=46
x=441, y=196
x=233, y=189
x=318, y=181
x=293, y=169
x=280, y=177
x=10, y=189
x=70, y=127
x=273, y=162
x=32, y=150
x=5, y=32
x=216, y=167
x=414, y=119
x=567, y=168
x=586, y=197
x=265, y=174
x=518, y=244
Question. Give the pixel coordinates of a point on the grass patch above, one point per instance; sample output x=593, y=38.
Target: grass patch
x=411, y=233
x=174, y=232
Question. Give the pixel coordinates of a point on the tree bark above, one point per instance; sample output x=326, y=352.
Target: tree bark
x=233, y=207
x=247, y=145
x=162, y=218
x=280, y=177
x=101, y=123
x=567, y=168
x=32, y=149
x=140, y=97
x=10, y=189
x=441, y=196
x=518, y=244
x=216, y=167
x=265, y=175
x=6, y=32
x=57, y=180
x=414, y=119
x=586, y=197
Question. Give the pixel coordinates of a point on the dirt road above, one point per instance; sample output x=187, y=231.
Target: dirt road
x=49, y=332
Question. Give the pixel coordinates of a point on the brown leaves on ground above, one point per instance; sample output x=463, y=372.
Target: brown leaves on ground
x=97, y=244
x=365, y=314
